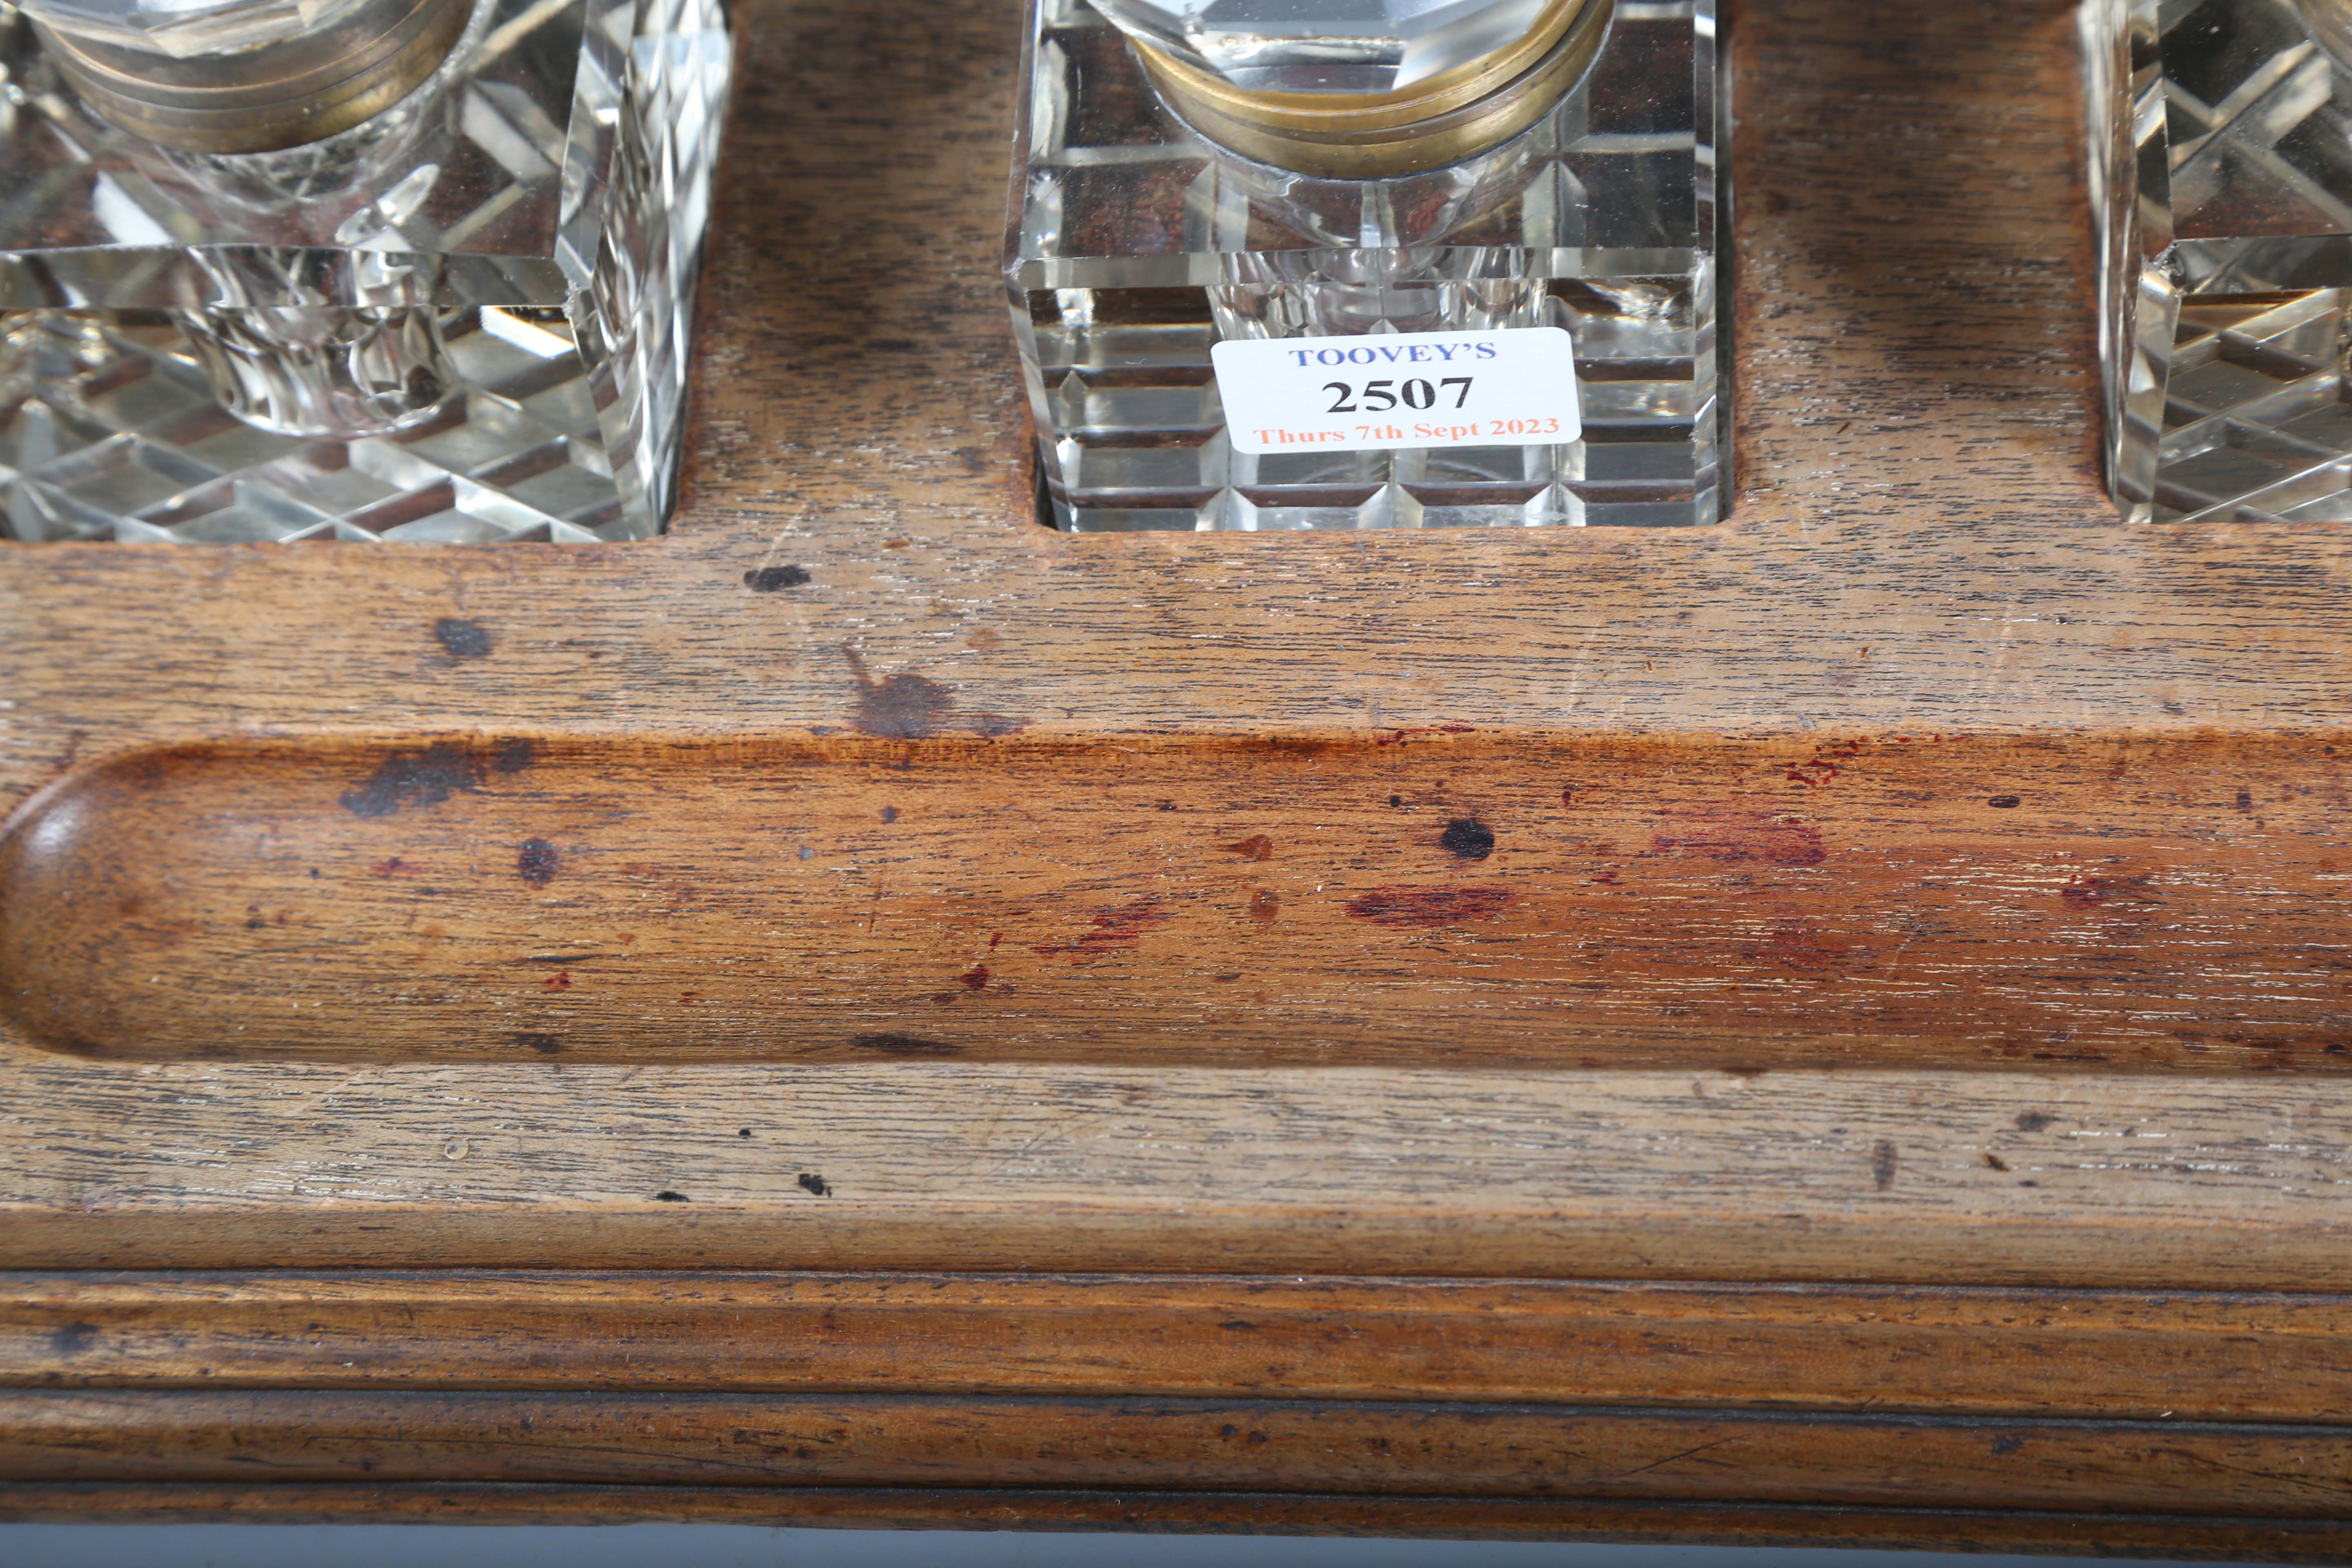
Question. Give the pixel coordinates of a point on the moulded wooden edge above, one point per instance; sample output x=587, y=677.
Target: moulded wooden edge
x=1903, y=1349
x=2174, y=1536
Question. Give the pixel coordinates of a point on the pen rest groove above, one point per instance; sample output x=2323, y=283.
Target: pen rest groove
x=1442, y=897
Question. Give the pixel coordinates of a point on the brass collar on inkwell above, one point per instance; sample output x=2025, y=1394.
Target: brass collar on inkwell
x=245, y=78
x=1371, y=89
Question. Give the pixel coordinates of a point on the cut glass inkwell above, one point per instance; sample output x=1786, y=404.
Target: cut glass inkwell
x=1257, y=246
x=2221, y=180
x=360, y=269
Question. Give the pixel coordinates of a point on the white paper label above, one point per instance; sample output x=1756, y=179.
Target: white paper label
x=1514, y=387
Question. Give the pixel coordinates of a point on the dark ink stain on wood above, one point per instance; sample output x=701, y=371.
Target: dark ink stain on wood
x=812, y=1182
x=889, y=814
x=2245, y=798
x=1994, y=1161
x=1881, y=1164
x=1468, y=838
x=463, y=639
x=513, y=756
x=904, y=1045
x=1416, y=907
x=2034, y=1120
x=1222, y=979
x=72, y=1339
x=1256, y=847
x=669, y=1197
x=254, y=918
x=2007, y=1445
x=1396, y=800
x=537, y=862
x=2004, y=801
x=974, y=978
x=545, y=1045
x=773, y=579
x=396, y=867
x=909, y=707
x=1263, y=906
x=1731, y=836
x=414, y=781
x=1122, y=926
x=742, y=1132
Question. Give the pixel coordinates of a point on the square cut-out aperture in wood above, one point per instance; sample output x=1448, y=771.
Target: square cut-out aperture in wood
x=1144, y=252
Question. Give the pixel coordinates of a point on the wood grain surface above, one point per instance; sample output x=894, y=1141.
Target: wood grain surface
x=2261, y=1470
x=2147, y=1181
x=2032, y=1354
x=1447, y=898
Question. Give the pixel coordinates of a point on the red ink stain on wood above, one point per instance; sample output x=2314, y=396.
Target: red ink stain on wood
x=396, y=867
x=560, y=980
x=2088, y=890
x=1256, y=847
x=1800, y=944
x=1732, y=836
x=993, y=940
x=1263, y=906
x=1415, y=907
x=1825, y=765
x=1122, y=926
x=972, y=979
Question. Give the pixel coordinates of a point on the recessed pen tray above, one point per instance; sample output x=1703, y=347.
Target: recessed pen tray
x=1904, y=900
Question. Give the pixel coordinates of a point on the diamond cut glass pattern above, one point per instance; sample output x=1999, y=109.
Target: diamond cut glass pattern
x=2221, y=181
x=1137, y=244
x=542, y=201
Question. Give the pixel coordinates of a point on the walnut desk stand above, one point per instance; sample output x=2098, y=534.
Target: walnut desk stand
x=864, y=1010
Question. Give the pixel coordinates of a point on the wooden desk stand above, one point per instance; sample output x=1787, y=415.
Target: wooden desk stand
x=864, y=1010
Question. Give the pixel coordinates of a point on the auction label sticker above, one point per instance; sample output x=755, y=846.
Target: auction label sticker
x=1511, y=387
